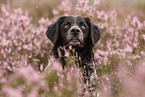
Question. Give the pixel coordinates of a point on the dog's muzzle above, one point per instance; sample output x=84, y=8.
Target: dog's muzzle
x=75, y=36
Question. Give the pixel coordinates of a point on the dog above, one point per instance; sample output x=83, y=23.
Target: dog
x=78, y=32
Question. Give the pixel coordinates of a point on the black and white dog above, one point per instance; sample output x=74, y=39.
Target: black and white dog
x=78, y=32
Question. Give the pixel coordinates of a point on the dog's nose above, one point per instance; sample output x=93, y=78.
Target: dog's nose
x=75, y=31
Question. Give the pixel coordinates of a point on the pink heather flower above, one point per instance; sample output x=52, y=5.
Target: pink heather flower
x=55, y=88
x=62, y=85
x=117, y=44
x=30, y=56
x=65, y=6
x=135, y=45
x=58, y=74
x=100, y=14
x=4, y=10
x=105, y=60
x=1, y=20
x=144, y=37
x=25, y=46
x=57, y=66
x=66, y=54
x=2, y=51
x=139, y=25
x=42, y=55
x=33, y=93
x=9, y=68
x=129, y=63
x=5, y=42
x=128, y=49
x=134, y=57
x=96, y=76
x=11, y=92
x=106, y=17
x=136, y=37
x=55, y=12
x=19, y=48
x=135, y=22
x=28, y=72
x=96, y=2
x=9, y=50
x=18, y=11
x=41, y=66
x=69, y=76
x=96, y=56
x=131, y=30
x=107, y=79
x=100, y=52
x=70, y=47
x=99, y=62
x=109, y=45
x=87, y=93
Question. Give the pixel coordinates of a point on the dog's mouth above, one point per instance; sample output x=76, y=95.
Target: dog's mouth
x=74, y=42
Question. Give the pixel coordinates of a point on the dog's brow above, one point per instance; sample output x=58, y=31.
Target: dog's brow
x=75, y=19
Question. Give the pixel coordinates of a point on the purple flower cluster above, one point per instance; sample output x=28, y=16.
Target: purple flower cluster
x=20, y=37
x=28, y=69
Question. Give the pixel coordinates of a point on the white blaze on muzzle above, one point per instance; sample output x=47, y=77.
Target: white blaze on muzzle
x=75, y=35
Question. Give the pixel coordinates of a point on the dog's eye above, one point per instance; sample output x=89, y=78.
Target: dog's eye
x=66, y=26
x=83, y=27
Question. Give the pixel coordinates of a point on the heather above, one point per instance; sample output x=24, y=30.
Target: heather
x=28, y=69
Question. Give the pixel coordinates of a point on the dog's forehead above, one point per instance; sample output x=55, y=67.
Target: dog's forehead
x=78, y=17
x=74, y=19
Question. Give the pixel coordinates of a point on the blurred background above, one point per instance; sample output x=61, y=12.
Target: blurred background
x=43, y=8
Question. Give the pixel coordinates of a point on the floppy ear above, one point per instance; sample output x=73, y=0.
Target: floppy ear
x=94, y=32
x=53, y=30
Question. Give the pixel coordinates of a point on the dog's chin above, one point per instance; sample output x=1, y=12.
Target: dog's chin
x=74, y=43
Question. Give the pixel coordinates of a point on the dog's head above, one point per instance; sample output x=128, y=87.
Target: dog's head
x=73, y=30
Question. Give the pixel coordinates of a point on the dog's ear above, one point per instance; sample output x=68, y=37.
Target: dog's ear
x=94, y=32
x=53, y=30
